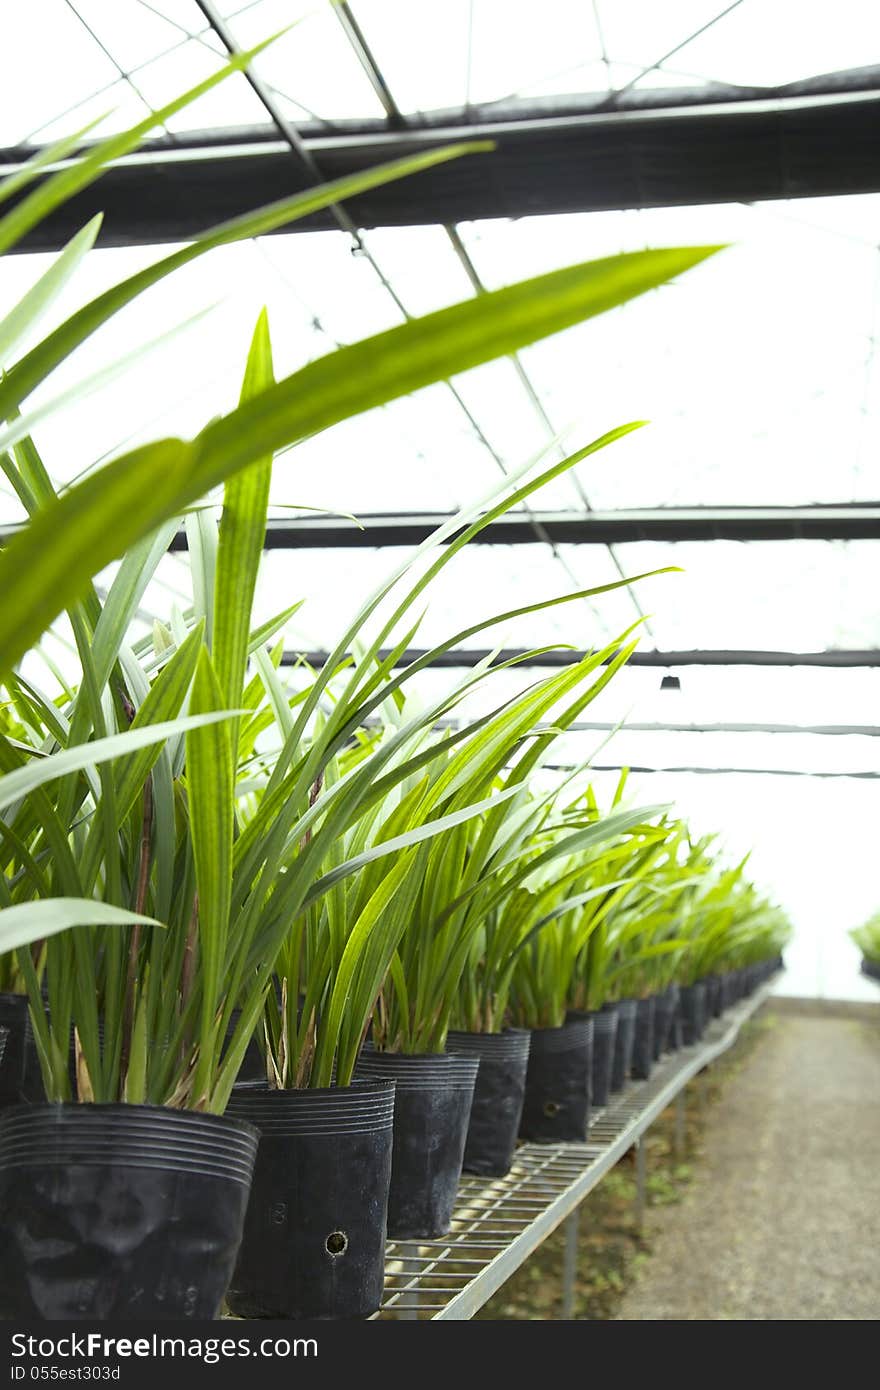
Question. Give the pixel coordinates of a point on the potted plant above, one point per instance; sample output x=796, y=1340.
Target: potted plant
x=867, y=938
x=463, y=880
x=124, y=821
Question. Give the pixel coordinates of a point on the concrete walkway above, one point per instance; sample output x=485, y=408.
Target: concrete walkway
x=782, y=1220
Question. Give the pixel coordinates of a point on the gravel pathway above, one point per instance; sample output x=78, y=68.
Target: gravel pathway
x=782, y=1220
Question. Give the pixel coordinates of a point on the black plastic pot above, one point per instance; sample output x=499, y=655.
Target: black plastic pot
x=871, y=968
x=713, y=997
x=692, y=1012
x=314, y=1236
x=604, y=1040
x=643, y=1042
x=119, y=1211
x=558, y=1082
x=664, y=1019
x=431, y=1113
x=623, y=1043
x=20, y=1078
x=498, y=1097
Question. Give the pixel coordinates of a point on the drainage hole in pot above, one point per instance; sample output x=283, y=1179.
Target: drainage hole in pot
x=336, y=1243
x=551, y=1108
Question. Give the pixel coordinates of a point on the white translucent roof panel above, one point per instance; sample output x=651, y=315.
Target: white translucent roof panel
x=757, y=371
x=481, y=582
x=129, y=55
x=775, y=595
x=489, y=50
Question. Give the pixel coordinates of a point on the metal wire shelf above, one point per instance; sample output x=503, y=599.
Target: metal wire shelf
x=499, y=1222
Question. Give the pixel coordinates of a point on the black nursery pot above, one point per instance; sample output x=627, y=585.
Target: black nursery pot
x=314, y=1236
x=431, y=1113
x=692, y=1012
x=604, y=1040
x=119, y=1211
x=713, y=997
x=20, y=1078
x=557, y=1102
x=664, y=1020
x=623, y=1043
x=643, y=1042
x=871, y=968
x=498, y=1096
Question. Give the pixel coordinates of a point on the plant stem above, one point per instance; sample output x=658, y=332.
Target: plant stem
x=135, y=943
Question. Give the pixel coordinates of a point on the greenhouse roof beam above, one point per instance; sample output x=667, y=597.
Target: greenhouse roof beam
x=834, y=658
x=819, y=522
x=806, y=140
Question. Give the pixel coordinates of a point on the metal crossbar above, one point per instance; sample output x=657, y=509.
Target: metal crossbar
x=499, y=1222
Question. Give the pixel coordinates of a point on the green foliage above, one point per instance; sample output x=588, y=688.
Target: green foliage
x=179, y=830
x=867, y=937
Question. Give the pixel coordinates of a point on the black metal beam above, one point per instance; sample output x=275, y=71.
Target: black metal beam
x=458, y=658
x=724, y=145
x=843, y=521
x=825, y=730
x=719, y=771
x=856, y=521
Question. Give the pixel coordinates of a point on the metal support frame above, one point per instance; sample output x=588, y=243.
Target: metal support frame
x=839, y=522
x=572, y=1232
x=548, y=158
x=641, y=1179
x=680, y=1123
x=499, y=1222
x=462, y=657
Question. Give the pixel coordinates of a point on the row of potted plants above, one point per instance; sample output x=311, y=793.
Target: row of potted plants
x=239, y=912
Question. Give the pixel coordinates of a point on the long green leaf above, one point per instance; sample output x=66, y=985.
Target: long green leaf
x=29, y=922
x=52, y=560
x=25, y=779
x=209, y=781
x=36, y=365
x=242, y=534
x=30, y=308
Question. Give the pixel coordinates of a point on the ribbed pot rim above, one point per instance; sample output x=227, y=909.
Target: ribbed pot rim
x=626, y=1008
x=4, y=1034
x=423, y=1071
x=66, y=1134
x=574, y=1034
x=512, y=1042
x=605, y=1023
x=649, y=1002
x=366, y=1107
x=8, y=1000
x=103, y=1141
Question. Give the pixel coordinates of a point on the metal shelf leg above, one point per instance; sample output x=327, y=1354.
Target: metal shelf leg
x=680, y=1119
x=640, y=1181
x=569, y=1268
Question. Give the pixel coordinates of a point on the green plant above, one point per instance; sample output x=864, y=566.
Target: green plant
x=337, y=957
x=468, y=881
x=867, y=937
x=125, y=795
